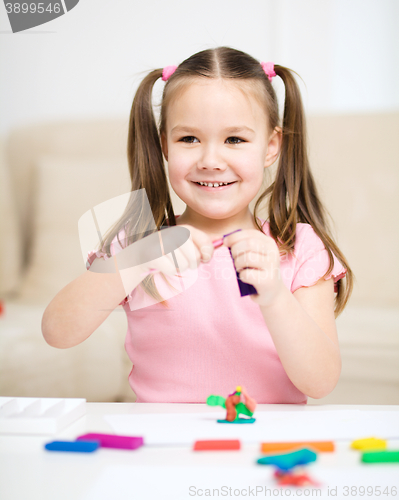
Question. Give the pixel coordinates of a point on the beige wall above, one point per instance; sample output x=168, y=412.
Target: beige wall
x=355, y=159
x=52, y=173
x=355, y=163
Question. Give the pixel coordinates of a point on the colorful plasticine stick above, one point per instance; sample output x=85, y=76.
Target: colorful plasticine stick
x=371, y=443
x=114, y=440
x=217, y=444
x=315, y=445
x=376, y=457
x=73, y=446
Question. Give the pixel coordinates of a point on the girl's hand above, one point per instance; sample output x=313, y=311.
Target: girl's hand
x=257, y=261
x=198, y=248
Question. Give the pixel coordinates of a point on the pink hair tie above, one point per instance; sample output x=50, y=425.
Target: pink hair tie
x=167, y=72
x=268, y=68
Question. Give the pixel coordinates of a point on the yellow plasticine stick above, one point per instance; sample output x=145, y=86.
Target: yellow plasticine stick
x=370, y=443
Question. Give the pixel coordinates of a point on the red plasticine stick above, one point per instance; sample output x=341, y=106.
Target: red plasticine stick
x=222, y=444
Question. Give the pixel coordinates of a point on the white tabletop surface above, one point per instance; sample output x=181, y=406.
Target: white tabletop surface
x=29, y=472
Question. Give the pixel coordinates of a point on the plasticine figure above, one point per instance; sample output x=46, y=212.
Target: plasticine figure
x=234, y=406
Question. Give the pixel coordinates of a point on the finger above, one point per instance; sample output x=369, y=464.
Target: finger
x=255, y=260
x=180, y=259
x=203, y=243
x=191, y=253
x=235, y=236
x=260, y=278
x=245, y=276
x=246, y=234
x=253, y=276
x=257, y=246
x=205, y=246
x=249, y=259
x=206, y=252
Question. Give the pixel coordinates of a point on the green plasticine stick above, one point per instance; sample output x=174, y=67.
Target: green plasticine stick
x=374, y=457
x=213, y=400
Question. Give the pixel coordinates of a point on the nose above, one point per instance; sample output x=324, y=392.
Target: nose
x=211, y=159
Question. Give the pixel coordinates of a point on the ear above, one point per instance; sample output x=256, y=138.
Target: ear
x=274, y=146
x=164, y=145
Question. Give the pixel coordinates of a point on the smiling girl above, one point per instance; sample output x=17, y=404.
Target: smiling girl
x=219, y=131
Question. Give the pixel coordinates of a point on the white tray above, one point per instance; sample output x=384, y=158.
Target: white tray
x=38, y=415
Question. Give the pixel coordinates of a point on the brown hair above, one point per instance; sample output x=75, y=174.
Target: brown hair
x=293, y=196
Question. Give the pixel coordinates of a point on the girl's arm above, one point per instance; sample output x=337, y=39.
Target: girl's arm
x=302, y=326
x=85, y=303
x=82, y=306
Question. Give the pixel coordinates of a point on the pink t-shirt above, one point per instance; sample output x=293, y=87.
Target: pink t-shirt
x=211, y=339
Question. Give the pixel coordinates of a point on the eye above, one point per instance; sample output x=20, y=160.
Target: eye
x=236, y=139
x=183, y=139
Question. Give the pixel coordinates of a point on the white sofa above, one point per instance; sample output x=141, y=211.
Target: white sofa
x=52, y=173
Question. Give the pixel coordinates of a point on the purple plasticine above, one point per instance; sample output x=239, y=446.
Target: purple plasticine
x=245, y=288
x=114, y=441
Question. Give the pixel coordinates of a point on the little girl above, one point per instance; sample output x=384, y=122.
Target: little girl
x=219, y=131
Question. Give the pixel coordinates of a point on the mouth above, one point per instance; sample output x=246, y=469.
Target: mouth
x=214, y=186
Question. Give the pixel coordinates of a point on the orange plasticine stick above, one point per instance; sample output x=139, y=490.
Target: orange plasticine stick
x=316, y=445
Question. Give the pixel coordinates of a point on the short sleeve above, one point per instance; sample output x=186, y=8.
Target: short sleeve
x=115, y=248
x=312, y=261
x=93, y=255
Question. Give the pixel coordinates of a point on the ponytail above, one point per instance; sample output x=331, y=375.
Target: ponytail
x=147, y=171
x=293, y=194
x=144, y=152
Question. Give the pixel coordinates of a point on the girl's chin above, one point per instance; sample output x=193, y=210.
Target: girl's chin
x=213, y=215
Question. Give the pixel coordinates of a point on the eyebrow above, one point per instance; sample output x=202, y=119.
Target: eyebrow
x=193, y=130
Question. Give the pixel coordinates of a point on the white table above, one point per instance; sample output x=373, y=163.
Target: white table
x=28, y=472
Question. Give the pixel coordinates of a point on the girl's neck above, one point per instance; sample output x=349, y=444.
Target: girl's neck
x=216, y=228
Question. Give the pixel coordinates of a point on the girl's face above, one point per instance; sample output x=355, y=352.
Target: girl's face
x=215, y=134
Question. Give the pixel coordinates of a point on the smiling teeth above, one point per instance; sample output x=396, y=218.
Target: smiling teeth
x=215, y=184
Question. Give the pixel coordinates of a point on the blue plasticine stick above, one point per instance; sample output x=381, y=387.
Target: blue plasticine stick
x=75, y=446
